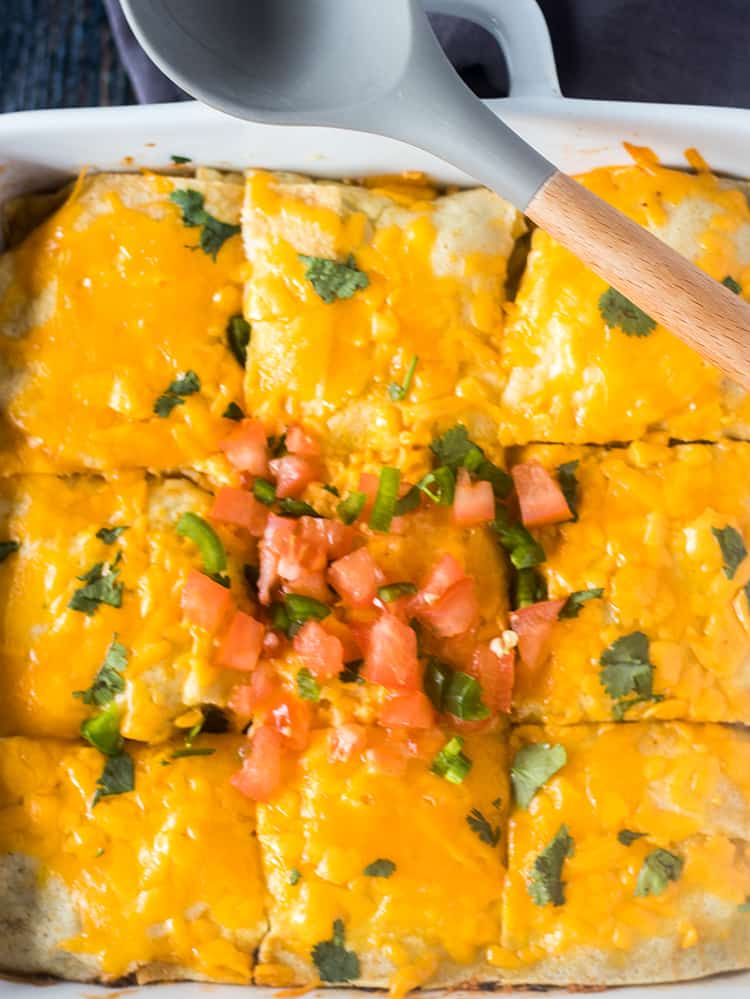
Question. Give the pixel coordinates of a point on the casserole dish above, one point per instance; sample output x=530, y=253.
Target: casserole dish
x=42, y=149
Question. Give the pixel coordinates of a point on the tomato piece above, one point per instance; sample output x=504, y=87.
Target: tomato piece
x=356, y=578
x=455, y=612
x=540, y=497
x=246, y=448
x=241, y=508
x=495, y=675
x=413, y=710
x=474, y=502
x=340, y=537
x=260, y=775
x=204, y=601
x=391, y=658
x=533, y=625
x=241, y=646
x=292, y=719
x=278, y=532
x=245, y=697
x=301, y=443
x=294, y=474
x=446, y=571
x=321, y=652
x=345, y=741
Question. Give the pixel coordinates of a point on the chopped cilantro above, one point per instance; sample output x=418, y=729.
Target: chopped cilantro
x=533, y=765
x=627, y=836
x=438, y=485
x=735, y=286
x=617, y=310
x=331, y=279
x=546, y=886
x=8, y=548
x=523, y=549
x=394, y=591
x=102, y=587
x=568, y=480
x=110, y=534
x=118, y=777
x=108, y=682
x=334, y=962
x=626, y=669
x=295, y=876
x=238, y=337
x=277, y=446
x=574, y=603
x=732, y=547
x=103, y=731
x=308, y=687
x=289, y=507
x=381, y=868
x=331, y=489
x=479, y=824
x=351, y=507
x=165, y=404
x=451, y=763
x=350, y=672
x=455, y=447
x=180, y=159
x=399, y=392
x=530, y=588
x=233, y=412
x=659, y=868
x=213, y=232
x=186, y=384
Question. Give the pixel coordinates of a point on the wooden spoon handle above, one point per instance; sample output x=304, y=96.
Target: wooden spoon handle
x=673, y=291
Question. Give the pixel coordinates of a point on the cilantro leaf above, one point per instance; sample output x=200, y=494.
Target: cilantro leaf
x=331, y=279
x=8, y=548
x=102, y=587
x=523, y=549
x=103, y=731
x=659, y=868
x=397, y=393
x=180, y=159
x=110, y=534
x=213, y=232
x=295, y=876
x=530, y=588
x=381, y=868
x=627, y=836
x=732, y=547
x=233, y=412
x=350, y=672
x=735, y=286
x=479, y=824
x=568, y=480
x=185, y=384
x=108, y=682
x=546, y=886
x=574, y=603
x=238, y=337
x=533, y=765
x=289, y=507
x=165, y=404
x=334, y=962
x=626, y=669
x=617, y=310
x=118, y=777
x=308, y=687
x=455, y=447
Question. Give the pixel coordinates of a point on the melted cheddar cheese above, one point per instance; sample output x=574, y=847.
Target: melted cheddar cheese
x=440, y=904
x=101, y=308
x=647, y=517
x=570, y=378
x=165, y=877
x=687, y=789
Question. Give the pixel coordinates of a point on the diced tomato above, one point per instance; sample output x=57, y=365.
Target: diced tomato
x=321, y=652
x=241, y=645
x=299, y=442
x=540, y=497
x=294, y=551
x=340, y=538
x=446, y=571
x=204, y=601
x=241, y=508
x=292, y=719
x=455, y=612
x=533, y=625
x=246, y=448
x=474, y=502
x=260, y=775
x=345, y=741
x=495, y=675
x=413, y=710
x=278, y=532
x=294, y=474
x=361, y=631
x=356, y=578
x=309, y=584
x=245, y=697
x=391, y=658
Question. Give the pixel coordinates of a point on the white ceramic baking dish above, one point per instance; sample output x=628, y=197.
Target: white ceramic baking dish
x=40, y=149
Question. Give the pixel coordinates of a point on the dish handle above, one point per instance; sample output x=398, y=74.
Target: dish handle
x=522, y=33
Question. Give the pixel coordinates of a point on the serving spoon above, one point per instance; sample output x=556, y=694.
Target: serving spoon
x=376, y=66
